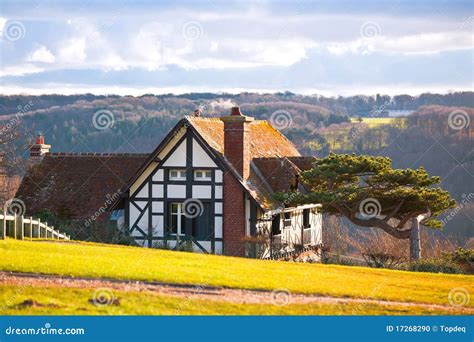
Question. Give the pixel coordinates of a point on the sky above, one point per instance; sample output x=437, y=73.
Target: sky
x=310, y=47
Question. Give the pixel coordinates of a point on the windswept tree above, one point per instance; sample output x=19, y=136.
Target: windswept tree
x=369, y=192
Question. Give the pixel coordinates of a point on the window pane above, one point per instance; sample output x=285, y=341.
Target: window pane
x=276, y=225
x=208, y=174
x=173, y=174
x=202, y=225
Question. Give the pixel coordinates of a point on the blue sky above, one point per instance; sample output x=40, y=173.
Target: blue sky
x=324, y=47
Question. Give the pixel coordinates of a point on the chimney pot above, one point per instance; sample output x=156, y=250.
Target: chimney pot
x=235, y=111
x=39, y=139
x=197, y=113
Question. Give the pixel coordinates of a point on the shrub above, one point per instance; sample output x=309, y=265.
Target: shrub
x=464, y=258
x=435, y=266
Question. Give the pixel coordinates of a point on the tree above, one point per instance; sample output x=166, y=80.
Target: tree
x=370, y=193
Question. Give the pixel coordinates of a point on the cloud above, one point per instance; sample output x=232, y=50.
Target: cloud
x=42, y=55
x=20, y=70
x=425, y=43
x=73, y=51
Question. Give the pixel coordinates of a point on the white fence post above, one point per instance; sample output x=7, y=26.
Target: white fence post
x=14, y=226
x=20, y=226
x=30, y=228
x=4, y=227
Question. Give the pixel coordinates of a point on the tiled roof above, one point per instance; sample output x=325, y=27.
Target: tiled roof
x=76, y=186
x=265, y=140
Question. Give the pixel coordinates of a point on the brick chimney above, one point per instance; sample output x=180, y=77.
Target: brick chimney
x=38, y=149
x=236, y=141
x=237, y=152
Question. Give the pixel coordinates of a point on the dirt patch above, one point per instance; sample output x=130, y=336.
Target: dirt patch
x=31, y=303
x=276, y=297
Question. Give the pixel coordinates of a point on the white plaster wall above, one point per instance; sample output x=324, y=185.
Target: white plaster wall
x=200, y=157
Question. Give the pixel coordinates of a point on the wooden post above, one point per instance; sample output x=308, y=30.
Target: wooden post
x=14, y=226
x=46, y=230
x=31, y=228
x=4, y=227
x=39, y=229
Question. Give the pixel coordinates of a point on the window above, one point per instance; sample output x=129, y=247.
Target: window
x=276, y=225
x=202, y=175
x=177, y=174
x=306, y=218
x=202, y=226
x=177, y=220
x=287, y=220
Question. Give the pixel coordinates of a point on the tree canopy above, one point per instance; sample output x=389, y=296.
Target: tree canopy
x=370, y=193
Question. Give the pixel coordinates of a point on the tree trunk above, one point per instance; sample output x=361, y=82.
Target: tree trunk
x=415, y=242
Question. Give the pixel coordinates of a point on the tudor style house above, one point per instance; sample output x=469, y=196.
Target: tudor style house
x=207, y=186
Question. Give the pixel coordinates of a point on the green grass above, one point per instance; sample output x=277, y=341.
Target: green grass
x=72, y=301
x=374, y=122
x=135, y=263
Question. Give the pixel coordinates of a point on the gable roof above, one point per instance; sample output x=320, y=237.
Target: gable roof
x=77, y=185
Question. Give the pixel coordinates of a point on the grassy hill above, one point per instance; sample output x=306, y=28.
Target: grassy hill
x=98, y=261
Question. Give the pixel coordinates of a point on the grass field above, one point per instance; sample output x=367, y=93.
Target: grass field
x=374, y=122
x=134, y=263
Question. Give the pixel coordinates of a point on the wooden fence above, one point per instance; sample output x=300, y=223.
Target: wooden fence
x=20, y=227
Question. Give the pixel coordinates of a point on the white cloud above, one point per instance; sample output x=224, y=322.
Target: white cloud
x=425, y=43
x=42, y=55
x=20, y=70
x=73, y=51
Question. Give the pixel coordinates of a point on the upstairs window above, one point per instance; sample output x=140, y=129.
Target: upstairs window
x=202, y=175
x=177, y=175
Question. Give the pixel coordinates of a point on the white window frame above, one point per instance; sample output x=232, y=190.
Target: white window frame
x=179, y=219
x=203, y=172
x=181, y=175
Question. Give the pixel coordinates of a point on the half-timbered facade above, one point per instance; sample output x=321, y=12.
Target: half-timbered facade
x=208, y=187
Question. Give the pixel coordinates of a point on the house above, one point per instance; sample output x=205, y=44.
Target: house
x=207, y=186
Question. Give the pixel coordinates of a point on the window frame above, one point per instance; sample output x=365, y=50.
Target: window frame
x=180, y=216
x=204, y=178
x=180, y=176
